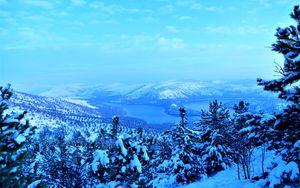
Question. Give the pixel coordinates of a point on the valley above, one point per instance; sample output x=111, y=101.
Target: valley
x=150, y=106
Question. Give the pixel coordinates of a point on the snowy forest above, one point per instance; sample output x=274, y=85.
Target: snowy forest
x=223, y=142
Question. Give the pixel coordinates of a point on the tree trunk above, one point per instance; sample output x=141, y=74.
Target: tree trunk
x=263, y=158
x=238, y=166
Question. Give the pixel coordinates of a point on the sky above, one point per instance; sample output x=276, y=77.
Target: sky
x=49, y=43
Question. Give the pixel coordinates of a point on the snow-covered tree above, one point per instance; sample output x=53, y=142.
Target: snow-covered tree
x=213, y=150
x=287, y=86
x=250, y=130
x=124, y=162
x=14, y=133
x=62, y=157
x=184, y=165
x=214, y=125
x=216, y=117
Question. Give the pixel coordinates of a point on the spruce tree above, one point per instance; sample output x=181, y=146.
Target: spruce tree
x=185, y=164
x=216, y=117
x=14, y=132
x=125, y=160
x=287, y=86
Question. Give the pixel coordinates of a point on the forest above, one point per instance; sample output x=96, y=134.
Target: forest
x=72, y=156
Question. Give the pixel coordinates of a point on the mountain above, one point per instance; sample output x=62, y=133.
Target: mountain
x=170, y=90
x=167, y=93
x=142, y=105
x=50, y=105
x=50, y=111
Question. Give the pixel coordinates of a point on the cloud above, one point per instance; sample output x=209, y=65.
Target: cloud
x=98, y=22
x=171, y=43
x=38, y=3
x=171, y=29
x=115, y=8
x=166, y=9
x=241, y=30
x=196, y=6
x=78, y=2
x=3, y=2
x=265, y=3
x=28, y=34
x=183, y=18
x=38, y=18
x=3, y=31
x=4, y=13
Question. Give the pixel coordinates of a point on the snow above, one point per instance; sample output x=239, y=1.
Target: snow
x=100, y=157
x=92, y=138
x=136, y=163
x=278, y=172
x=80, y=102
x=13, y=170
x=120, y=144
x=266, y=118
x=20, y=139
x=145, y=154
x=228, y=177
x=11, y=120
x=34, y=184
x=171, y=94
x=247, y=129
x=297, y=144
x=111, y=184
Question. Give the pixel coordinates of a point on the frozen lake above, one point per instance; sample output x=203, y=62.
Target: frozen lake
x=153, y=114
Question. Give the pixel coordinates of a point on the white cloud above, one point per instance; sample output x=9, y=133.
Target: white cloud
x=183, y=18
x=28, y=34
x=196, y=6
x=4, y=13
x=211, y=9
x=3, y=2
x=3, y=31
x=200, y=7
x=241, y=30
x=97, y=21
x=265, y=3
x=166, y=9
x=171, y=29
x=171, y=43
x=38, y=18
x=78, y=2
x=115, y=8
x=39, y=3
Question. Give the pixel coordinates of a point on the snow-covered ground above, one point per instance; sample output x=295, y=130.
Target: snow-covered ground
x=228, y=178
x=80, y=102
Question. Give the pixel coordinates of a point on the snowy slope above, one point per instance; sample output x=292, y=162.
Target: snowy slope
x=170, y=90
x=51, y=105
x=228, y=178
x=53, y=112
x=80, y=102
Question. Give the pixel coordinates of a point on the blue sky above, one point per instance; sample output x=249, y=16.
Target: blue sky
x=49, y=43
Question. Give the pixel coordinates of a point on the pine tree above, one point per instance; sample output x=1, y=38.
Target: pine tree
x=216, y=117
x=288, y=88
x=250, y=130
x=13, y=136
x=185, y=164
x=125, y=161
x=215, y=154
x=214, y=125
